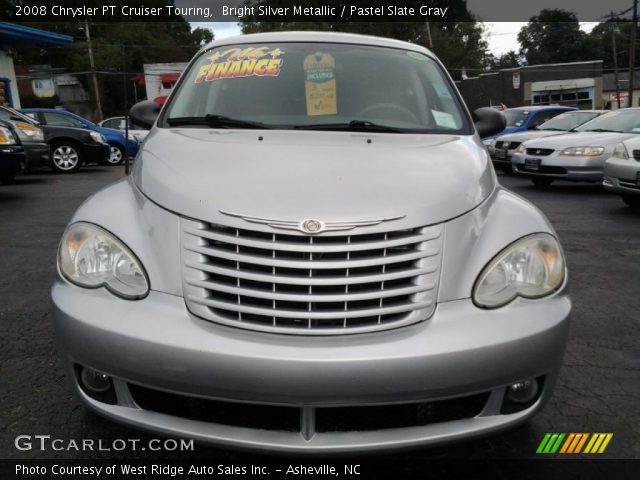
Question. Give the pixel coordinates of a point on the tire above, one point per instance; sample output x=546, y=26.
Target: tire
x=66, y=157
x=7, y=179
x=632, y=200
x=507, y=169
x=116, y=157
x=542, y=181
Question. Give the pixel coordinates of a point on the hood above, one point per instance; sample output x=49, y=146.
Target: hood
x=297, y=175
x=528, y=135
x=580, y=139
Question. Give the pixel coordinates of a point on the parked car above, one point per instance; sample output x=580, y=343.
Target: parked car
x=275, y=274
x=31, y=136
x=64, y=118
x=12, y=157
x=521, y=119
x=622, y=172
x=577, y=156
x=504, y=146
x=118, y=123
x=69, y=147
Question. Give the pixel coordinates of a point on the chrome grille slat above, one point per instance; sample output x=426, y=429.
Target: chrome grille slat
x=310, y=297
x=315, y=248
x=313, y=315
x=307, y=264
x=324, y=284
x=283, y=279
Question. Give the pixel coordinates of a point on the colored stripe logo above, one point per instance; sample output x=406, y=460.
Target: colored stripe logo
x=574, y=443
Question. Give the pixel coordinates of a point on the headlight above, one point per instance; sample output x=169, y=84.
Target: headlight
x=6, y=137
x=582, y=151
x=96, y=137
x=489, y=142
x=91, y=257
x=620, y=152
x=31, y=131
x=531, y=267
x=521, y=148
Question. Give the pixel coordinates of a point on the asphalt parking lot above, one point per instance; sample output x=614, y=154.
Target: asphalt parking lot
x=598, y=390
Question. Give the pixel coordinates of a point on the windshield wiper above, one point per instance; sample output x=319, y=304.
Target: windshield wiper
x=602, y=130
x=211, y=120
x=353, y=125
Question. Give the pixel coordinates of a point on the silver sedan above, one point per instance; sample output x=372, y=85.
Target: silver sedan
x=622, y=172
x=578, y=156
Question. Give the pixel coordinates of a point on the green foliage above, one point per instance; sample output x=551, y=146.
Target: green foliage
x=554, y=36
x=507, y=60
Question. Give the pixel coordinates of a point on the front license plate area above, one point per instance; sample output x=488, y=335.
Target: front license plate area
x=501, y=153
x=532, y=164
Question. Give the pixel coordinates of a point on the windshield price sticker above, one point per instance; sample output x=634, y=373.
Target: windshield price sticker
x=320, y=84
x=241, y=62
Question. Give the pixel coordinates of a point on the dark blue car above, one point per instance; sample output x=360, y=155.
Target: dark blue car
x=64, y=118
x=520, y=119
x=12, y=156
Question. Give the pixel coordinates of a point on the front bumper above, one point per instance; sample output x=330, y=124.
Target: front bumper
x=576, y=169
x=37, y=154
x=460, y=351
x=12, y=160
x=622, y=176
x=96, y=152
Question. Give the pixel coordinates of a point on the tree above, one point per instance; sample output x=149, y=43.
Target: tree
x=554, y=36
x=603, y=35
x=458, y=44
x=507, y=60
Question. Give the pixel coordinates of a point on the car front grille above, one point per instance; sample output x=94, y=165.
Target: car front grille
x=323, y=420
x=310, y=284
x=507, y=145
x=543, y=152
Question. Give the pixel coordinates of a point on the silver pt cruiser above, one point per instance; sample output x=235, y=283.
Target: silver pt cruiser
x=312, y=254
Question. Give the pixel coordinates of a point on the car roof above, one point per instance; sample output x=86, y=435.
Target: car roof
x=319, y=37
x=534, y=108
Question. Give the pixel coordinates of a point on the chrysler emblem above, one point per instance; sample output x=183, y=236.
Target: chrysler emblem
x=312, y=226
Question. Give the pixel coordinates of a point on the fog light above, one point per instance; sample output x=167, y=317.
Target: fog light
x=95, y=381
x=523, y=392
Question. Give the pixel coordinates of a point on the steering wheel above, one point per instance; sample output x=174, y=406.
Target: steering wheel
x=389, y=107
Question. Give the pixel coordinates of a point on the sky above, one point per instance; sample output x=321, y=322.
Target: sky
x=502, y=36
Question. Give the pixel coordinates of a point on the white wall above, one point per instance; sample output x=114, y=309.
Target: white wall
x=7, y=71
x=152, y=72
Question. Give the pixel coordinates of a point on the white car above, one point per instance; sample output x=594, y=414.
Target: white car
x=118, y=123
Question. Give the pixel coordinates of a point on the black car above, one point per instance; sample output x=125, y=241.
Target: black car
x=69, y=147
x=12, y=156
x=31, y=136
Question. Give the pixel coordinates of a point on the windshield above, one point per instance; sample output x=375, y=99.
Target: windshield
x=7, y=113
x=316, y=85
x=627, y=121
x=516, y=118
x=568, y=121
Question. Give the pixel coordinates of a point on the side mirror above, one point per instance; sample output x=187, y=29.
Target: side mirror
x=145, y=113
x=489, y=121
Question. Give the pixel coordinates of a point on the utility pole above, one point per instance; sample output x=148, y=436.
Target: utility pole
x=632, y=50
x=92, y=65
x=614, y=29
